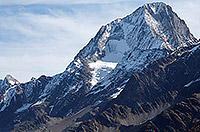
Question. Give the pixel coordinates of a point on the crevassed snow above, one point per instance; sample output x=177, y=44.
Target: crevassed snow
x=114, y=52
x=24, y=107
x=100, y=69
x=190, y=83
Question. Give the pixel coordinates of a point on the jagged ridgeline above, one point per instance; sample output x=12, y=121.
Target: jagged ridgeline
x=134, y=68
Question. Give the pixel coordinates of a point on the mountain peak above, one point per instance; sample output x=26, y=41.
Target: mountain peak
x=10, y=80
x=155, y=6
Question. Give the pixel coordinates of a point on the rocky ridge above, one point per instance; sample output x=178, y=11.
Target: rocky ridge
x=152, y=91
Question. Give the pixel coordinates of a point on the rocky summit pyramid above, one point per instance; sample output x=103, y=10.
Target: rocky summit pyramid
x=101, y=80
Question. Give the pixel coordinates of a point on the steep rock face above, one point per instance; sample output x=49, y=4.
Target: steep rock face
x=18, y=98
x=8, y=82
x=101, y=70
x=7, y=88
x=150, y=92
x=184, y=117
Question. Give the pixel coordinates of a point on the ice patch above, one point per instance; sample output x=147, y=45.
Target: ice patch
x=166, y=45
x=115, y=50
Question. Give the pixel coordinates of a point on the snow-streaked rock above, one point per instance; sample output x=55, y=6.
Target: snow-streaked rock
x=102, y=68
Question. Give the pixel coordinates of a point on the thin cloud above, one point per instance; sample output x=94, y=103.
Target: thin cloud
x=189, y=11
x=43, y=39
x=44, y=43
x=66, y=2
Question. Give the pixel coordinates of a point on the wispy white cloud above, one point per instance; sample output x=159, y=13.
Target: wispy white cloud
x=34, y=43
x=43, y=39
x=26, y=2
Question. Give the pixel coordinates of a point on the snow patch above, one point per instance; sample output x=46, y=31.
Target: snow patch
x=97, y=103
x=115, y=50
x=53, y=83
x=24, y=107
x=11, y=82
x=100, y=69
x=155, y=7
x=78, y=63
x=8, y=95
x=117, y=93
x=39, y=102
x=193, y=50
x=51, y=108
x=69, y=112
x=29, y=88
x=157, y=30
x=190, y=83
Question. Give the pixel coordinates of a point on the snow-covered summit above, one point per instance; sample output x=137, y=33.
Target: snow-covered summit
x=154, y=7
x=8, y=81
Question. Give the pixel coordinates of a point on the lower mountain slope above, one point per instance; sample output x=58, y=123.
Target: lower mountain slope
x=158, y=87
x=182, y=117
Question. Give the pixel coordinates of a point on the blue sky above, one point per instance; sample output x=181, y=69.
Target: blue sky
x=42, y=36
